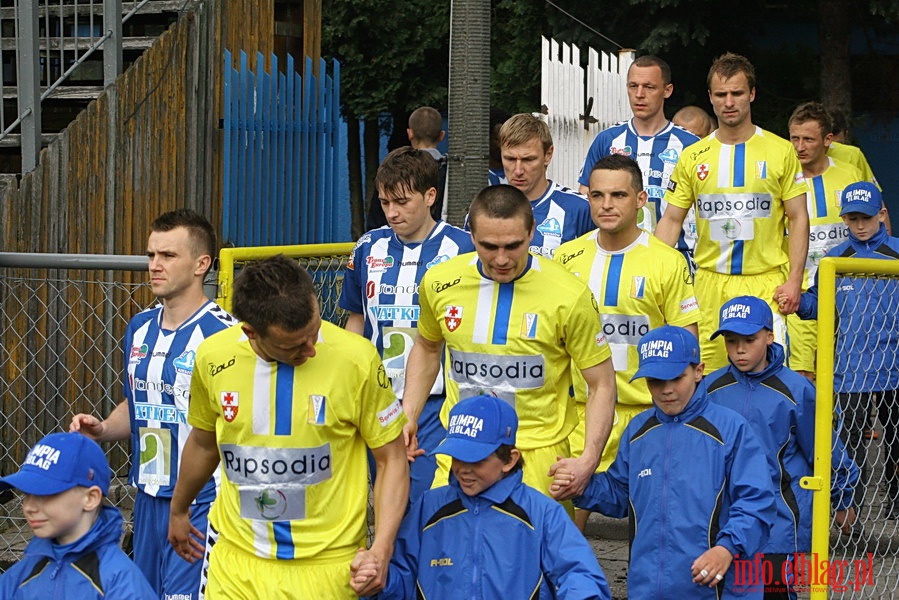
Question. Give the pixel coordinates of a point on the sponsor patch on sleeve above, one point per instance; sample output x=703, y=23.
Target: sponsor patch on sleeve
x=689, y=305
x=390, y=414
x=672, y=185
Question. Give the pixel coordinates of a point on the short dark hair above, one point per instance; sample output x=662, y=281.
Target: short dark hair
x=275, y=291
x=500, y=202
x=619, y=162
x=729, y=64
x=650, y=60
x=840, y=121
x=504, y=453
x=407, y=169
x=812, y=111
x=426, y=124
x=202, y=236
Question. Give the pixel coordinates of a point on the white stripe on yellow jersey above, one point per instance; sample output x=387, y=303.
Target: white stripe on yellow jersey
x=638, y=288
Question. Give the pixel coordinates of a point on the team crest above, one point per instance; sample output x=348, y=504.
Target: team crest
x=453, y=317
x=702, y=171
x=230, y=401
x=761, y=169
x=638, y=287
x=550, y=227
x=185, y=362
x=316, y=414
x=529, y=326
x=670, y=155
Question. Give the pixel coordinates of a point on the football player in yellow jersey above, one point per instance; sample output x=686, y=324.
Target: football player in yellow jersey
x=512, y=324
x=748, y=189
x=639, y=283
x=842, y=151
x=288, y=404
x=810, y=127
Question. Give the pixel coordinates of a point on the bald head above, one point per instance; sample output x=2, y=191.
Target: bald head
x=695, y=120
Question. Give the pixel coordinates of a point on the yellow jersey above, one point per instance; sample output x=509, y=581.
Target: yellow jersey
x=738, y=191
x=826, y=227
x=852, y=155
x=292, y=441
x=638, y=288
x=515, y=340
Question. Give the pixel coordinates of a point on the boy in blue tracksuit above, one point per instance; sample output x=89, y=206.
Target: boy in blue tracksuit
x=779, y=404
x=866, y=372
x=486, y=534
x=75, y=550
x=693, y=479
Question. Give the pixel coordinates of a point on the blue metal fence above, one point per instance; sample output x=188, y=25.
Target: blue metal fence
x=281, y=155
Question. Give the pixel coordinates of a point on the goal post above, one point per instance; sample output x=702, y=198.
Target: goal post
x=324, y=262
x=877, y=282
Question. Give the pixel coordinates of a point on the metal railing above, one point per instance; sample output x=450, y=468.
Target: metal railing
x=52, y=39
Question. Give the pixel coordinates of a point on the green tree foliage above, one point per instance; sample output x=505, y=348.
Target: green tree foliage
x=393, y=55
x=516, y=27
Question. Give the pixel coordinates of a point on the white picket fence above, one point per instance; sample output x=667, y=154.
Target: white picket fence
x=566, y=92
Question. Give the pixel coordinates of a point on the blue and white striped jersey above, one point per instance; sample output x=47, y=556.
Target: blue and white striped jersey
x=560, y=215
x=381, y=283
x=158, y=366
x=656, y=154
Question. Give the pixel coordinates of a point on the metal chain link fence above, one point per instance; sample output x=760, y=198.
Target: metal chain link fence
x=60, y=351
x=866, y=564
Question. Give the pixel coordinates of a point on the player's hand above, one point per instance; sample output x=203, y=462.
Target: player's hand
x=368, y=573
x=562, y=478
x=410, y=439
x=711, y=566
x=88, y=425
x=845, y=519
x=185, y=538
x=576, y=471
x=787, y=297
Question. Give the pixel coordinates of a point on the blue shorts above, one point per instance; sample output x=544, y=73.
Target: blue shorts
x=168, y=574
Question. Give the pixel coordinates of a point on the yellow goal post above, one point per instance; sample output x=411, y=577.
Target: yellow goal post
x=829, y=548
x=324, y=262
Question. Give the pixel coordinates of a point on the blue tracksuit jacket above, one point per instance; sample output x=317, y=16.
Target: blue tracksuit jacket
x=93, y=567
x=509, y=541
x=866, y=307
x=779, y=403
x=689, y=482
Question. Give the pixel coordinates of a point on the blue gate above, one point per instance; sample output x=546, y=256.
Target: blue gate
x=281, y=156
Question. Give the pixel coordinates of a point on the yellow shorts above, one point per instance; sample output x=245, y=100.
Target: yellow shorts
x=236, y=575
x=624, y=413
x=537, y=462
x=713, y=290
x=803, y=343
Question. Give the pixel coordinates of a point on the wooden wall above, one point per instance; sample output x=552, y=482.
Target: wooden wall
x=151, y=142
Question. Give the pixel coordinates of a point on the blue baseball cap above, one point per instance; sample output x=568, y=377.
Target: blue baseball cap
x=477, y=427
x=745, y=315
x=58, y=463
x=666, y=352
x=862, y=197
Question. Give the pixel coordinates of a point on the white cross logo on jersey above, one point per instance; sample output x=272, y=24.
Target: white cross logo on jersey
x=230, y=402
x=702, y=171
x=453, y=317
